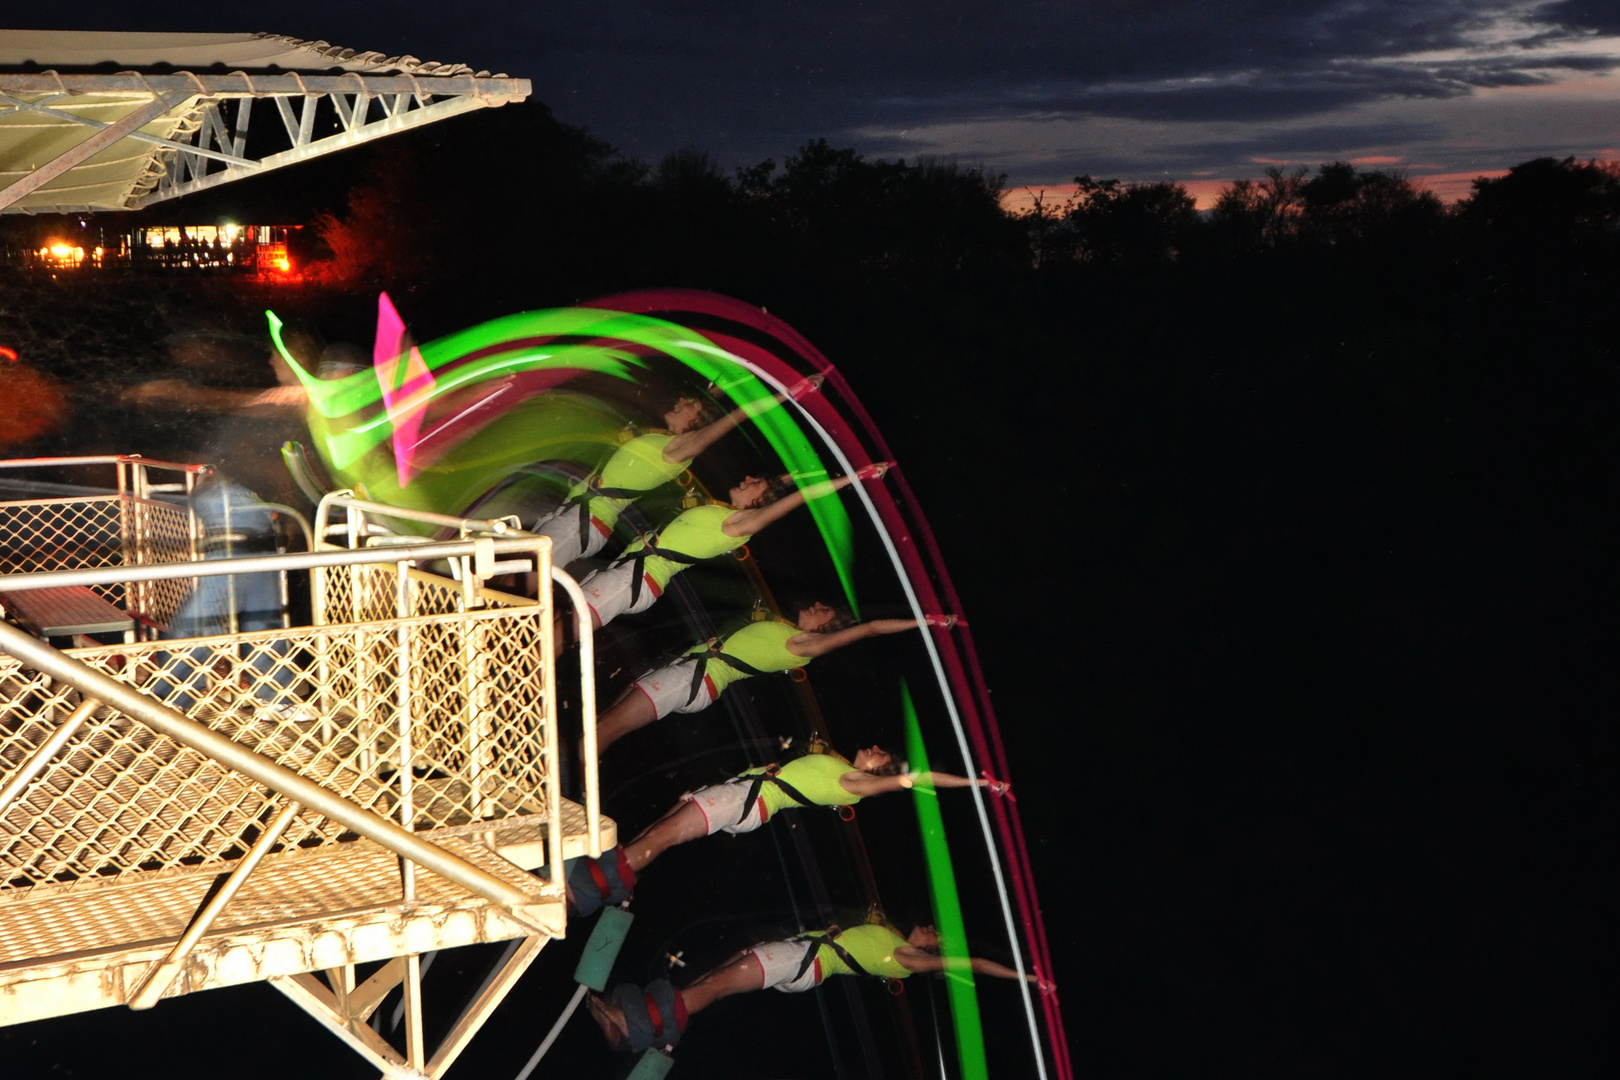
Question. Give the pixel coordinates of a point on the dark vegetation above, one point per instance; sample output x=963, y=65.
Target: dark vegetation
x=1281, y=527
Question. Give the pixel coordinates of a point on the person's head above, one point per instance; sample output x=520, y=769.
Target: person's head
x=878, y=762
x=820, y=618
x=339, y=360
x=688, y=414
x=754, y=492
x=924, y=937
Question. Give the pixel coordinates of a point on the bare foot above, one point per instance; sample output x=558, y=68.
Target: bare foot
x=610, y=1018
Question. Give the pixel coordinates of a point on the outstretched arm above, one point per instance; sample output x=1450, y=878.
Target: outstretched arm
x=687, y=446
x=914, y=959
x=812, y=643
x=865, y=784
x=748, y=522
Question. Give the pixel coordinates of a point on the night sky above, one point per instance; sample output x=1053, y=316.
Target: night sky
x=1190, y=91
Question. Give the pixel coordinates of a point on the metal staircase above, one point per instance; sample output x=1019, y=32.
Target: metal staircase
x=313, y=806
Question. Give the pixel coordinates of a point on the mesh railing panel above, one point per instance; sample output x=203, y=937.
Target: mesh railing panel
x=102, y=530
x=329, y=702
x=368, y=593
x=63, y=534
x=157, y=532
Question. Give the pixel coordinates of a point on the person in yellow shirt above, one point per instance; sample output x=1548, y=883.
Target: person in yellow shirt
x=635, y=581
x=582, y=525
x=634, y=1018
x=744, y=803
x=695, y=681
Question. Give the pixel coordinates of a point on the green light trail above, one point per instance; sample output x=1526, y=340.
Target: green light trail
x=350, y=440
x=947, y=907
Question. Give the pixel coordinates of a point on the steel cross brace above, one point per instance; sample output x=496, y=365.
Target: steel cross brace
x=344, y=1008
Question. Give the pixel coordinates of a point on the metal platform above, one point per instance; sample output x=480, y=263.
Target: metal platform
x=88, y=945
x=283, y=804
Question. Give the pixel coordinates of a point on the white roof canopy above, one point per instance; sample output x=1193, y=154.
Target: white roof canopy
x=115, y=121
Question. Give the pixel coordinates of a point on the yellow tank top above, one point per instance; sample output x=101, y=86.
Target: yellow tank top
x=873, y=947
x=815, y=776
x=637, y=465
x=696, y=533
x=760, y=645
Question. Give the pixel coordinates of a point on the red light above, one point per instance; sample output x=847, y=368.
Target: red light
x=9, y=354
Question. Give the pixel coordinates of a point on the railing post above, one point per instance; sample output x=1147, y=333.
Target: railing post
x=407, y=807
x=553, y=733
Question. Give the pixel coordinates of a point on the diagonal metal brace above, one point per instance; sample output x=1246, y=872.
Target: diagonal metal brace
x=166, y=970
x=87, y=149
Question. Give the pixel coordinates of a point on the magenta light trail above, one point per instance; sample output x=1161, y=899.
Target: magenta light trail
x=916, y=555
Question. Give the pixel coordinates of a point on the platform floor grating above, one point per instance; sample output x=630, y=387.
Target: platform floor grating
x=52, y=923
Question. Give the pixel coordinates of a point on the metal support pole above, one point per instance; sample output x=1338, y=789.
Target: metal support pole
x=587, y=703
x=164, y=972
x=508, y=970
x=415, y=1054
x=47, y=751
x=556, y=1029
x=553, y=730
x=308, y=994
x=402, y=704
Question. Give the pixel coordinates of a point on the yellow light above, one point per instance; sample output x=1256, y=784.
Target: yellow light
x=283, y=265
x=61, y=251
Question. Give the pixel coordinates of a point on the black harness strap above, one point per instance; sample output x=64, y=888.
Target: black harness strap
x=583, y=502
x=639, y=558
x=829, y=939
x=715, y=651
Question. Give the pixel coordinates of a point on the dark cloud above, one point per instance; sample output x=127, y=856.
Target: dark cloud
x=1585, y=14
x=756, y=78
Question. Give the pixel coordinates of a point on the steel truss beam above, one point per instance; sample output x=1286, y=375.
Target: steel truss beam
x=357, y=130
x=367, y=106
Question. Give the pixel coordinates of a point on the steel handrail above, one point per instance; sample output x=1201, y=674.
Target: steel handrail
x=102, y=459
x=251, y=564
x=347, y=500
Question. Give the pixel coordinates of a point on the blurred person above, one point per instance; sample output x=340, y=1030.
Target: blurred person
x=638, y=577
x=583, y=524
x=634, y=1018
x=743, y=804
x=695, y=681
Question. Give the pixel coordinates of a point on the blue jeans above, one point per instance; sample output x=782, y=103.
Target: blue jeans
x=236, y=524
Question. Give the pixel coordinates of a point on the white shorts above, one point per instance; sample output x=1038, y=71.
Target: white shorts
x=608, y=592
x=781, y=961
x=669, y=687
x=722, y=806
x=562, y=525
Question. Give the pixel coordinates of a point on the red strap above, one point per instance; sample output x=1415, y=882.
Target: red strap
x=680, y=1012
x=627, y=873
x=654, y=1015
x=603, y=889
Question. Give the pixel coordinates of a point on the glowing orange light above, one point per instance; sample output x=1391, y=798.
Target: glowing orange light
x=283, y=265
x=9, y=354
